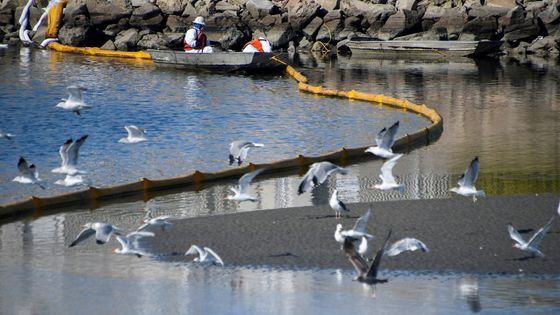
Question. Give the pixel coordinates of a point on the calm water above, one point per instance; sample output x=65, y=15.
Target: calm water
x=494, y=110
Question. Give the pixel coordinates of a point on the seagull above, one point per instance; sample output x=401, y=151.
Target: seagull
x=69, y=156
x=27, y=174
x=387, y=179
x=238, y=150
x=533, y=243
x=367, y=275
x=385, y=140
x=406, y=244
x=135, y=135
x=205, y=255
x=129, y=243
x=467, y=180
x=162, y=221
x=7, y=136
x=75, y=101
x=363, y=247
x=356, y=233
x=337, y=204
x=102, y=231
x=244, y=182
x=317, y=174
x=73, y=179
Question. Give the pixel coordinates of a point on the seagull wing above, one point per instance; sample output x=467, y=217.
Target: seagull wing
x=134, y=131
x=308, y=180
x=24, y=168
x=324, y=169
x=236, y=146
x=63, y=151
x=246, y=179
x=75, y=93
x=387, y=170
x=469, y=177
x=103, y=233
x=355, y=259
x=195, y=249
x=406, y=244
x=379, y=136
x=212, y=253
x=125, y=242
x=514, y=235
x=84, y=234
x=374, y=268
x=389, y=136
x=361, y=223
x=73, y=149
x=538, y=236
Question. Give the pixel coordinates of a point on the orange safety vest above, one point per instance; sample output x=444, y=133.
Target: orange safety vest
x=255, y=43
x=200, y=41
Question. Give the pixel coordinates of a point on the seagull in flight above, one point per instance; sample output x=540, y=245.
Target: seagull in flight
x=75, y=102
x=73, y=180
x=129, y=243
x=27, y=174
x=387, y=179
x=238, y=150
x=467, y=180
x=317, y=174
x=102, y=231
x=205, y=255
x=406, y=244
x=7, y=136
x=357, y=232
x=533, y=244
x=337, y=205
x=69, y=155
x=385, y=140
x=241, y=193
x=135, y=135
x=161, y=221
x=366, y=274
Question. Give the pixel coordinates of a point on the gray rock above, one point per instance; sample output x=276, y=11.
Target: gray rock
x=77, y=36
x=280, y=35
x=329, y=4
x=333, y=24
x=76, y=15
x=6, y=18
x=399, y=24
x=226, y=6
x=174, y=40
x=453, y=21
x=301, y=13
x=310, y=31
x=152, y=41
x=189, y=11
x=515, y=15
x=109, y=45
x=234, y=39
x=260, y=8
x=304, y=44
x=406, y=4
x=543, y=46
x=550, y=15
x=486, y=11
x=126, y=40
x=34, y=15
x=222, y=21
x=177, y=24
x=482, y=28
x=105, y=13
x=139, y=3
x=113, y=29
x=171, y=7
x=434, y=12
x=148, y=16
x=527, y=30
x=205, y=8
x=10, y=5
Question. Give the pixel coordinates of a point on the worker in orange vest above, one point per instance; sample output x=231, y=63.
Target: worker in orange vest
x=195, y=40
x=259, y=44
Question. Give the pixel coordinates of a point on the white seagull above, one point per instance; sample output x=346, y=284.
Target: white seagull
x=385, y=140
x=129, y=243
x=406, y=244
x=135, y=135
x=75, y=102
x=337, y=205
x=317, y=174
x=238, y=150
x=366, y=274
x=533, y=244
x=205, y=255
x=73, y=180
x=69, y=155
x=102, y=231
x=467, y=180
x=241, y=193
x=7, y=136
x=27, y=174
x=357, y=232
x=161, y=221
x=387, y=178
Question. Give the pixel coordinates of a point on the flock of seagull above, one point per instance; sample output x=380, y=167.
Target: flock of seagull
x=354, y=242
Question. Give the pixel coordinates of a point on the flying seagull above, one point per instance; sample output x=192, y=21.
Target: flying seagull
x=317, y=174
x=69, y=155
x=27, y=174
x=241, y=193
x=366, y=274
x=533, y=244
x=135, y=135
x=161, y=221
x=337, y=204
x=385, y=140
x=205, y=255
x=467, y=180
x=387, y=179
x=238, y=150
x=73, y=180
x=406, y=244
x=357, y=232
x=75, y=102
x=129, y=243
x=7, y=136
x=102, y=231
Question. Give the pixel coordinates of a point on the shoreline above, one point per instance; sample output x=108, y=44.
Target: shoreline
x=463, y=237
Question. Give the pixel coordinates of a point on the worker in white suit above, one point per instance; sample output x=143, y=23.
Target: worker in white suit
x=259, y=44
x=195, y=40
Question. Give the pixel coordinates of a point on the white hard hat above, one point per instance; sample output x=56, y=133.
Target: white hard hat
x=199, y=20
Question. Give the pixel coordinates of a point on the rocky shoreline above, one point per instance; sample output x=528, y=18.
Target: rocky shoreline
x=130, y=25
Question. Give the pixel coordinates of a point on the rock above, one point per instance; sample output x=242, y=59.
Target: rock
x=304, y=44
x=399, y=24
x=205, y=8
x=171, y=7
x=310, y=31
x=226, y=6
x=333, y=23
x=543, y=46
x=300, y=14
x=174, y=40
x=222, y=21
x=482, y=28
x=486, y=11
x=550, y=15
x=105, y=13
x=234, y=38
x=6, y=18
x=406, y=4
x=516, y=15
x=152, y=41
x=109, y=45
x=280, y=35
x=34, y=16
x=76, y=15
x=126, y=40
x=177, y=24
x=138, y=3
x=453, y=21
x=10, y=6
x=260, y=8
x=148, y=16
x=113, y=29
x=329, y=4
x=79, y=36
x=527, y=30
x=189, y=11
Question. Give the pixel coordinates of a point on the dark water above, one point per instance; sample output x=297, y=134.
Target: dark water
x=502, y=111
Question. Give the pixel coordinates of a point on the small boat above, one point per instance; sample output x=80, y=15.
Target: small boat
x=422, y=49
x=220, y=61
